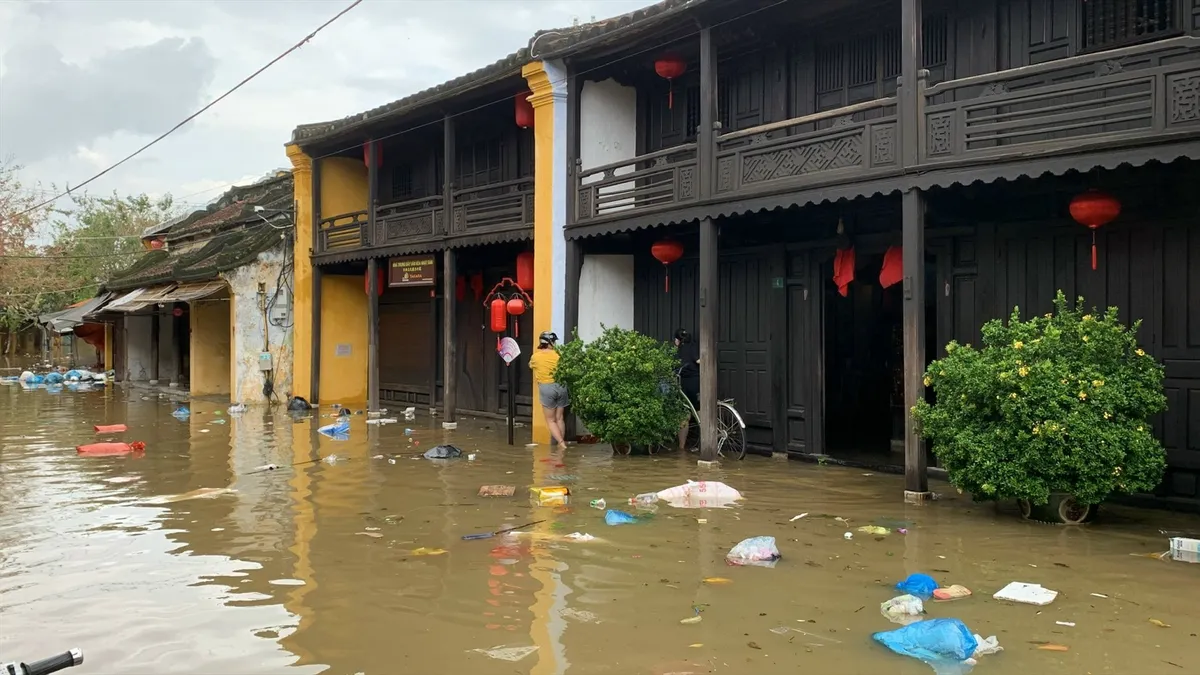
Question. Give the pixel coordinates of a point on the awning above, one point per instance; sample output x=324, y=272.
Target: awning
x=194, y=291
x=68, y=319
x=140, y=298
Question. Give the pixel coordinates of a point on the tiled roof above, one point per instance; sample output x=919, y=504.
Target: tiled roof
x=563, y=41
x=229, y=232
x=505, y=67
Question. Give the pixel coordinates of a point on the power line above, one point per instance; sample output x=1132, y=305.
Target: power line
x=199, y=112
x=69, y=257
x=553, y=82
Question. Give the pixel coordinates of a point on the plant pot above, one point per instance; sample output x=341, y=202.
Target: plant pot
x=1062, y=509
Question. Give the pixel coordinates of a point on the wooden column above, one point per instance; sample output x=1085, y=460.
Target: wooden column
x=449, y=337
x=155, y=335
x=449, y=273
x=912, y=105
x=314, y=393
x=709, y=291
x=916, y=480
x=372, y=334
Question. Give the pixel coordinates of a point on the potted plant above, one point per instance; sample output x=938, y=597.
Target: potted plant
x=1052, y=412
x=616, y=386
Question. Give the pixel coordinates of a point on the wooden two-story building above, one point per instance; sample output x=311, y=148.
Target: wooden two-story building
x=854, y=183
x=408, y=215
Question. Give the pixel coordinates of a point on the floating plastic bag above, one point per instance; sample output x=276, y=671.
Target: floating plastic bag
x=920, y=585
x=54, y=378
x=25, y=376
x=935, y=641
x=437, y=451
x=986, y=646
x=339, y=430
x=614, y=517
x=759, y=551
x=902, y=609
x=700, y=495
x=182, y=413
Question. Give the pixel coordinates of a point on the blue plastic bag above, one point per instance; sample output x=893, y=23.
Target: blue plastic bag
x=613, y=517
x=54, y=378
x=182, y=413
x=934, y=641
x=339, y=430
x=920, y=585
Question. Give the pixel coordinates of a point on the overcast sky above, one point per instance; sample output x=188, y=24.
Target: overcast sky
x=85, y=82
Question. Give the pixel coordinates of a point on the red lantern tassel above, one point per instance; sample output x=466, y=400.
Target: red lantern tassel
x=670, y=95
x=1093, y=249
x=667, y=282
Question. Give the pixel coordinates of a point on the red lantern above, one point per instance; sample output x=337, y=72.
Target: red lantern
x=499, y=316
x=516, y=307
x=367, y=153
x=669, y=67
x=177, y=312
x=477, y=284
x=1095, y=209
x=460, y=288
x=378, y=285
x=525, y=271
x=666, y=252
x=524, y=110
x=156, y=244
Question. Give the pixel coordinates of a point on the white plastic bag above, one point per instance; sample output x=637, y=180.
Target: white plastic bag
x=700, y=495
x=760, y=551
x=902, y=609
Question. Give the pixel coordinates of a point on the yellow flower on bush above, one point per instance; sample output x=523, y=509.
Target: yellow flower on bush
x=1107, y=415
x=1097, y=383
x=1036, y=430
x=1023, y=372
x=1018, y=344
x=1087, y=317
x=1141, y=352
x=1085, y=338
x=1083, y=396
x=927, y=381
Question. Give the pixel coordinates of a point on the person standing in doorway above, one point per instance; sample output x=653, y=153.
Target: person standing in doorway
x=689, y=376
x=553, y=396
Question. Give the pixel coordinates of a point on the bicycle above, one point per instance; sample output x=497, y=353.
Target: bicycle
x=53, y=664
x=731, y=428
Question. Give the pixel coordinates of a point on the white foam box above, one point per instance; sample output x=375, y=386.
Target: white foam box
x=1185, y=550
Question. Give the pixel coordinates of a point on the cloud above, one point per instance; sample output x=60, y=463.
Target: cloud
x=86, y=80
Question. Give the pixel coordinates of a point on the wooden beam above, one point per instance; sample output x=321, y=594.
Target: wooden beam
x=372, y=334
x=706, y=133
x=708, y=289
x=916, y=479
x=449, y=337
x=912, y=80
x=314, y=392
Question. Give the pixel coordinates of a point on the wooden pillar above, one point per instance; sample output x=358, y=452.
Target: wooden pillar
x=916, y=480
x=708, y=289
x=372, y=334
x=449, y=337
x=155, y=333
x=181, y=335
x=314, y=393
x=912, y=105
x=433, y=350
x=449, y=274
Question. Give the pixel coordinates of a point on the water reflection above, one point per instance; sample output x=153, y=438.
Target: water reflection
x=359, y=566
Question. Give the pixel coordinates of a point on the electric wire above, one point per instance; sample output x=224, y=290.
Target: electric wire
x=196, y=114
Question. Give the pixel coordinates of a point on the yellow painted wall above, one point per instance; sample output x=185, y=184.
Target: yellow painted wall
x=543, y=212
x=210, y=347
x=301, y=273
x=343, y=190
x=343, y=322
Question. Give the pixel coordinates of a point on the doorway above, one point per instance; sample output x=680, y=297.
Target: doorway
x=863, y=360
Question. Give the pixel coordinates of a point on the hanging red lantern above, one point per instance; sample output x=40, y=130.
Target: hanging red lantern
x=477, y=284
x=367, y=153
x=1095, y=209
x=525, y=271
x=516, y=307
x=157, y=244
x=524, y=110
x=666, y=252
x=499, y=316
x=177, y=312
x=669, y=67
x=379, y=282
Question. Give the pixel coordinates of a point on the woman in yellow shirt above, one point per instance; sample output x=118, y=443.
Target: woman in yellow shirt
x=554, y=396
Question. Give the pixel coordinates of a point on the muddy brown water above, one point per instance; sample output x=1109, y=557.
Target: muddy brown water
x=313, y=569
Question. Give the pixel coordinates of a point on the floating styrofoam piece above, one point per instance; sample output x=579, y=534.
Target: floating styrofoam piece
x=383, y=420
x=700, y=495
x=503, y=653
x=1029, y=594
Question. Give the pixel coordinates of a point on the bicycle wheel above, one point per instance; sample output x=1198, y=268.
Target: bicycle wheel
x=731, y=437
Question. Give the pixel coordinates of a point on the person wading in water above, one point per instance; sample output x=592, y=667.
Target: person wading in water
x=553, y=396
x=689, y=376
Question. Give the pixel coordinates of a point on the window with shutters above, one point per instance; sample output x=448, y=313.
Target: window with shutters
x=846, y=70
x=1116, y=23
x=402, y=182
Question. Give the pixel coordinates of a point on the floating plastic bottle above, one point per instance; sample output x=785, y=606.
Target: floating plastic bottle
x=645, y=499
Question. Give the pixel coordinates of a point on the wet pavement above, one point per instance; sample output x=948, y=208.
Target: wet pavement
x=359, y=566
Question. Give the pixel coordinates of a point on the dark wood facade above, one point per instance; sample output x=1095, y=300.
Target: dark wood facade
x=1018, y=106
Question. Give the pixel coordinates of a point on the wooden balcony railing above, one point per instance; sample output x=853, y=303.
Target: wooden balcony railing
x=660, y=178
x=488, y=208
x=410, y=220
x=1133, y=93
x=343, y=232
x=804, y=149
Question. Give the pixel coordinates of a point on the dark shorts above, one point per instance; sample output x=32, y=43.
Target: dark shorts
x=553, y=395
x=691, y=389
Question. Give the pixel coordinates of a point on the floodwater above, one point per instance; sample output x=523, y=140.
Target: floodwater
x=360, y=567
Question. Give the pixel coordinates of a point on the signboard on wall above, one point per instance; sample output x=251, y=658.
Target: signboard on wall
x=412, y=270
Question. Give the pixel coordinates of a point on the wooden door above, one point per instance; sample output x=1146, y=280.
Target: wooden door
x=803, y=409
x=744, y=335
x=406, y=335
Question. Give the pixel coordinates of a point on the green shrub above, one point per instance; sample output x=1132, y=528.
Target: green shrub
x=1055, y=404
x=616, y=385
